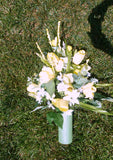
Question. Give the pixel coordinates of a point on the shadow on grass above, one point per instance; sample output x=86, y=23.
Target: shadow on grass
x=95, y=19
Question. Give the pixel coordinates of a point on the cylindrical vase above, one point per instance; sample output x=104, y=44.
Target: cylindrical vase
x=65, y=133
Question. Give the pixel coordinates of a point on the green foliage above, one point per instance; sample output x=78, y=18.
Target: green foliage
x=95, y=109
x=79, y=81
x=50, y=87
x=56, y=118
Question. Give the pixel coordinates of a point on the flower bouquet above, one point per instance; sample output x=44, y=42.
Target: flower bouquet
x=63, y=85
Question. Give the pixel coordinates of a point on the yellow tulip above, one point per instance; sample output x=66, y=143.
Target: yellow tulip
x=52, y=58
x=32, y=87
x=78, y=57
x=61, y=104
x=55, y=61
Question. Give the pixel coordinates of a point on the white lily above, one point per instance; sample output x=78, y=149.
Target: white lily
x=88, y=90
x=68, y=78
x=60, y=65
x=32, y=87
x=63, y=87
x=72, y=97
x=46, y=75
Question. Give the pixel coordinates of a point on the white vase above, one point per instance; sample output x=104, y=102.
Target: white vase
x=65, y=133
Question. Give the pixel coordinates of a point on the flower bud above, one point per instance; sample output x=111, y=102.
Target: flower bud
x=69, y=48
x=78, y=57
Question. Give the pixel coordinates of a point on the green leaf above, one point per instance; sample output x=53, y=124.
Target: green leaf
x=99, y=96
x=107, y=99
x=50, y=117
x=50, y=87
x=79, y=81
x=92, y=108
x=93, y=102
x=56, y=118
x=103, y=85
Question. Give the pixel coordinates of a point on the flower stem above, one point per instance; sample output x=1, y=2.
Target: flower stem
x=40, y=50
x=58, y=34
x=104, y=85
x=48, y=35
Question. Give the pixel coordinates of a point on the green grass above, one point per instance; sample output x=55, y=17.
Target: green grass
x=25, y=136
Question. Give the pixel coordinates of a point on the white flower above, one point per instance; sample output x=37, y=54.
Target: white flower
x=50, y=105
x=68, y=78
x=65, y=59
x=94, y=80
x=41, y=92
x=39, y=99
x=72, y=97
x=88, y=90
x=35, y=91
x=32, y=87
x=48, y=97
x=88, y=74
x=62, y=87
x=33, y=94
x=60, y=77
x=59, y=65
x=46, y=75
x=28, y=79
x=55, y=61
x=52, y=58
x=64, y=45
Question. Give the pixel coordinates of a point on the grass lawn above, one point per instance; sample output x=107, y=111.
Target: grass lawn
x=28, y=136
